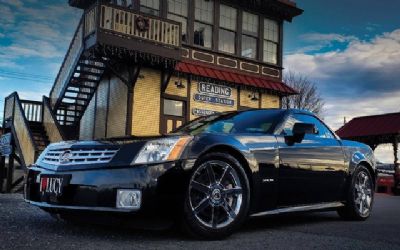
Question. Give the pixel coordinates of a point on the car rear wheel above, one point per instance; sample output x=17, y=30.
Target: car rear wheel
x=360, y=196
x=217, y=199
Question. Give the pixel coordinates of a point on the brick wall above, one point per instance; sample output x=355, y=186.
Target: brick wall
x=270, y=101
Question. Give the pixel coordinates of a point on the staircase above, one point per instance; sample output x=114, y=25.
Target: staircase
x=39, y=135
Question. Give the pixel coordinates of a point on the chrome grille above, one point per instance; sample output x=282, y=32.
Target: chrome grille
x=67, y=156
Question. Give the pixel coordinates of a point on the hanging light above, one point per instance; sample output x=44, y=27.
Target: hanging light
x=253, y=97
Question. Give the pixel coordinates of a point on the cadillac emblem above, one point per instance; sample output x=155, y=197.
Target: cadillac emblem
x=65, y=157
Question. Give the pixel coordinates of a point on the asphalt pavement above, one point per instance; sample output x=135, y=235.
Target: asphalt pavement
x=25, y=227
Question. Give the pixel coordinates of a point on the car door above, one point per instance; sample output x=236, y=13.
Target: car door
x=312, y=171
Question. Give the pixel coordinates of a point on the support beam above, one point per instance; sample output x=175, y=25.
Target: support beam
x=10, y=173
x=395, y=151
x=2, y=172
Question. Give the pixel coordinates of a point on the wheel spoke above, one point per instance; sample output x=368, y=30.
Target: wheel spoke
x=213, y=219
x=200, y=187
x=228, y=210
x=233, y=191
x=202, y=205
x=211, y=174
x=225, y=174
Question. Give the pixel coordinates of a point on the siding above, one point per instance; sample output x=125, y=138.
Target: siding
x=270, y=101
x=146, y=103
x=117, y=114
x=87, y=121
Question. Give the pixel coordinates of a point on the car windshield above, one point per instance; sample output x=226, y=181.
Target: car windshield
x=253, y=121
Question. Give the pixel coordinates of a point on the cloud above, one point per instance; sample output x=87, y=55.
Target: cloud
x=14, y=3
x=361, y=79
x=332, y=37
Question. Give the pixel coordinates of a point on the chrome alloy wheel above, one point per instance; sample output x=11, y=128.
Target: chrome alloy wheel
x=215, y=194
x=363, y=193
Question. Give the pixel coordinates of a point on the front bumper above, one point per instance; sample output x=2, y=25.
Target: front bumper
x=161, y=186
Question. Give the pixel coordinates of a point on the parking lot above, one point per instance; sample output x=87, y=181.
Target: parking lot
x=23, y=226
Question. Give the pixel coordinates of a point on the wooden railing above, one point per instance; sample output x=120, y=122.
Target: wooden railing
x=67, y=67
x=32, y=110
x=53, y=130
x=21, y=130
x=8, y=108
x=138, y=25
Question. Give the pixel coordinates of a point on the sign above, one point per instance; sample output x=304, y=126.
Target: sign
x=5, y=145
x=214, y=100
x=213, y=89
x=203, y=112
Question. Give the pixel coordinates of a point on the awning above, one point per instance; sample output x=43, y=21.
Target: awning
x=232, y=77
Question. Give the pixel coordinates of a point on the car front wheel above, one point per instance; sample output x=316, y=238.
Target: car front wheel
x=360, y=196
x=218, y=197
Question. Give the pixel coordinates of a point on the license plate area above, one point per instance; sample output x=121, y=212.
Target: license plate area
x=51, y=187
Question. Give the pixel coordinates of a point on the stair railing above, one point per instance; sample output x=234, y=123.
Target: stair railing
x=50, y=123
x=68, y=66
x=23, y=137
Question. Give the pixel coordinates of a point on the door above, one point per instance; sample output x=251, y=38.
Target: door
x=312, y=171
x=173, y=115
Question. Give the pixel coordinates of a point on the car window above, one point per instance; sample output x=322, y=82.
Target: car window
x=322, y=130
x=255, y=121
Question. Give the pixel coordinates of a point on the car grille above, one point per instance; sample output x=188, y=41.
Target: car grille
x=78, y=156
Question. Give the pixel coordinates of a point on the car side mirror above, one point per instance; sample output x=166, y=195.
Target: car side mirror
x=299, y=132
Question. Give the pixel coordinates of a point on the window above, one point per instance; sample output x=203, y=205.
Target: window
x=250, y=35
x=322, y=130
x=228, y=27
x=124, y=3
x=173, y=108
x=271, y=41
x=151, y=7
x=204, y=21
x=257, y=121
x=178, y=11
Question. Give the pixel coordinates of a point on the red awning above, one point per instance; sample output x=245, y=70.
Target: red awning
x=377, y=125
x=238, y=78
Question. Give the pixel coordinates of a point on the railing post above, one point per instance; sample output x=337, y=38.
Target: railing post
x=10, y=173
x=2, y=172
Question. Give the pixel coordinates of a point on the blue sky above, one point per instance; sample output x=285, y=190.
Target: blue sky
x=350, y=49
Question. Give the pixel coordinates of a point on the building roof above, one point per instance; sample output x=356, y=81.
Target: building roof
x=367, y=126
x=233, y=77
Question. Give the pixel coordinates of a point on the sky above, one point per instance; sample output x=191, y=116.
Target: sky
x=349, y=49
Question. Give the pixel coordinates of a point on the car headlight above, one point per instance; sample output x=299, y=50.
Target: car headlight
x=161, y=150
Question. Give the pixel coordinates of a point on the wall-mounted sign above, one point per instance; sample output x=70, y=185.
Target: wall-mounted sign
x=5, y=145
x=214, y=100
x=213, y=89
x=203, y=112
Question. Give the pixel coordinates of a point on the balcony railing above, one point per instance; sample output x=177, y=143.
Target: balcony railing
x=137, y=25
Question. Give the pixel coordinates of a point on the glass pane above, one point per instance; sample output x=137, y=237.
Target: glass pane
x=179, y=7
x=249, y=47
x=174, y=108
x=250, y=24
x=151, y=7
x=183, y=21
x=271, y=30
x=270, y=52
x=228, y=17
x=227, y=41
x=203, y=35
x=204, y=11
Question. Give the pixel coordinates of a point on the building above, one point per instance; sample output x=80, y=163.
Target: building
x=146, y=67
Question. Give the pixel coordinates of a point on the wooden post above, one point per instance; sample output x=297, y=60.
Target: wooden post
x=395, y=151
x=2, y=171
x=10, y=173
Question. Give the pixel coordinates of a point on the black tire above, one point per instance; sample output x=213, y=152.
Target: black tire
x=358, y=206
x=235, y=203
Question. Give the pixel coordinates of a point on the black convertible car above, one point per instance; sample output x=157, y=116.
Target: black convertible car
x=211, y=174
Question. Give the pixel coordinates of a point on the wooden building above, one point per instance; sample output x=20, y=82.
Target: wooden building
x=146, y=67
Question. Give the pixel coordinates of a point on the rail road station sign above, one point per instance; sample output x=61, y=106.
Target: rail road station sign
x=213, y=89
x=203, y=112
x=5, y=145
